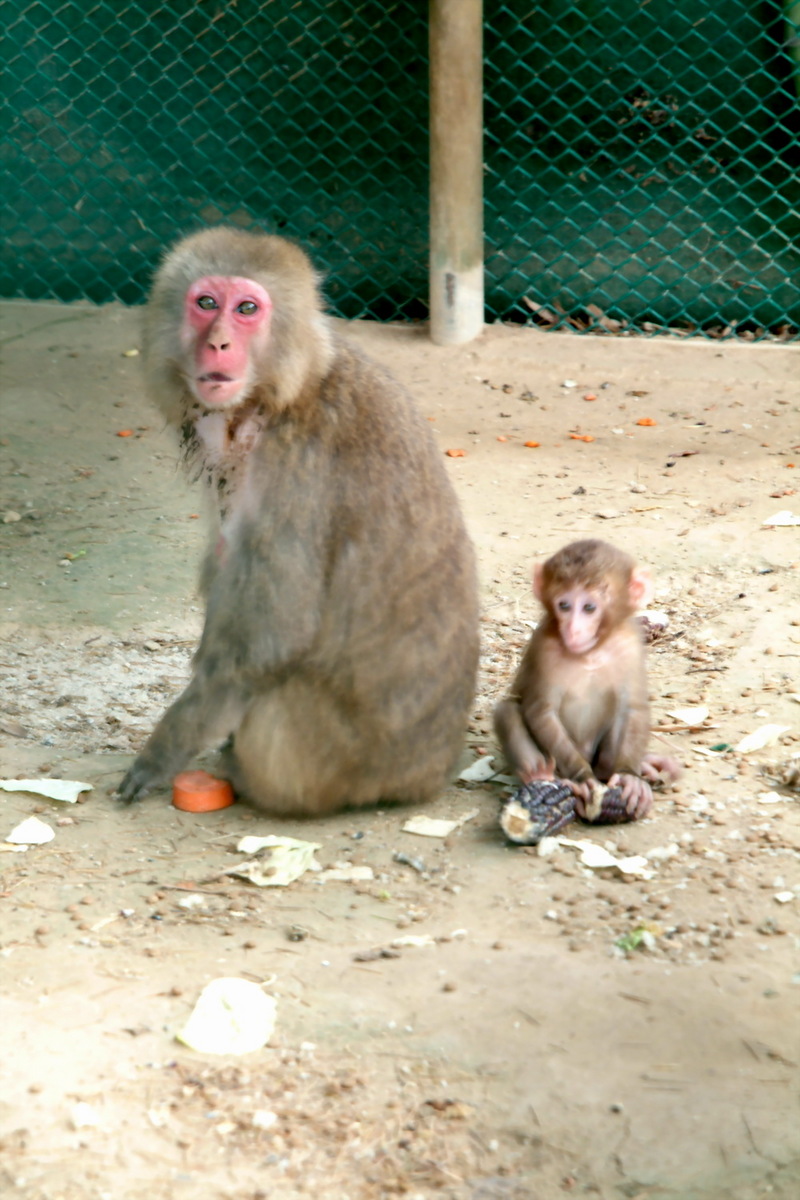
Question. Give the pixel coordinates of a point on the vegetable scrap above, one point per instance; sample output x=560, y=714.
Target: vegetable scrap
x=766, y=735
x=345, y=872
x=231, y=1016
x=692, y=716
x=438, y=827
x=598, y=858
x=67, y=790
x=31, y=832
x=480, y=770
x=784, y=517
x=281, y=860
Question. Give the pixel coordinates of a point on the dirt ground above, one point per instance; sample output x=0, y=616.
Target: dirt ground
x=523, y=1051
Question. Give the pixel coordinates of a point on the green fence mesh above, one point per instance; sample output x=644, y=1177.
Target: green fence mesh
x=642, y=162
x=641, y=157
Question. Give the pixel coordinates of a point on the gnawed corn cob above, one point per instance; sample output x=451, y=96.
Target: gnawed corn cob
x=537, y=810
x=542, y=808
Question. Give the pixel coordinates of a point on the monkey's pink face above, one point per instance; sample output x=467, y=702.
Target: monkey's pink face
x=225, y=325
x=579, y=612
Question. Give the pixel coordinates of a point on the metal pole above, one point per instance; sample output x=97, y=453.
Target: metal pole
x=456, y=170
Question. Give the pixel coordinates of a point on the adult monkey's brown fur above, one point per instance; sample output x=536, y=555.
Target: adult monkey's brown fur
x=341, y=632
x=578, y=706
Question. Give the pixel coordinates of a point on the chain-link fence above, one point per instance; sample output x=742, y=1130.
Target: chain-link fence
x=640, y=157
x=642, y=163
x=136, y=122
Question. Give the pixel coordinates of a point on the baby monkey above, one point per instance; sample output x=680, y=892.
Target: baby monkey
x=578, y=707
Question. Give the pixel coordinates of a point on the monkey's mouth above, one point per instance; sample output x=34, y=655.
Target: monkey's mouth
x=580, y=646
x=217, y=389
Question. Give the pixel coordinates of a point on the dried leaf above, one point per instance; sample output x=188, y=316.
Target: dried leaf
x=602, y=320
x=543, y=314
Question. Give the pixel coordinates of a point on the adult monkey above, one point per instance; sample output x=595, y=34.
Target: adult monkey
x=340, y=643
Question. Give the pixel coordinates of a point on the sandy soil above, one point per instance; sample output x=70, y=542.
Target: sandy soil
x=523, y=1052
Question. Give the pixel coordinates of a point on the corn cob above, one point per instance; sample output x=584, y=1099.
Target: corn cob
x=542, y=808
x=537, y=810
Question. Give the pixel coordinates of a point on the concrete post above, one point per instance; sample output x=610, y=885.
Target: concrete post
x=456, y=170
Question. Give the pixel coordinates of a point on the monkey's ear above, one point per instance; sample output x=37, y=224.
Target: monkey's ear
x=640, y=588
x=538, y=581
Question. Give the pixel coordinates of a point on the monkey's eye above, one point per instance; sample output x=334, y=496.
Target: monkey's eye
x=206, y=303
x=563, y=605
x=247, y=308
x=590, y=606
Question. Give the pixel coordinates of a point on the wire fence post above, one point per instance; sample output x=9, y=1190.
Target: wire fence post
x=456, y=170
